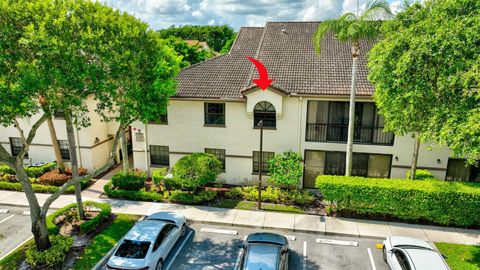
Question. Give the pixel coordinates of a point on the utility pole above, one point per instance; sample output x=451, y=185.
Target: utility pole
x=260, y=166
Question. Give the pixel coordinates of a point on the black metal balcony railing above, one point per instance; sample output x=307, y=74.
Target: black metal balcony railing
x=318, y=132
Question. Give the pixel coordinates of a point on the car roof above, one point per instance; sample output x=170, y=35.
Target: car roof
x=399, y=241
x=167, y=216
x=271, y=238
x=426, y=259
x=145, y=230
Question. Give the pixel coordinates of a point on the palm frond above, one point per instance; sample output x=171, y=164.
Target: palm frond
x=374, y=9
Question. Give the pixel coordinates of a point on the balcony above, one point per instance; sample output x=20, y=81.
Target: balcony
x=319, y=132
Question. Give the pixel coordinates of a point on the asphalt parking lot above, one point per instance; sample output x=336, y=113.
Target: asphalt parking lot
x=14, y=229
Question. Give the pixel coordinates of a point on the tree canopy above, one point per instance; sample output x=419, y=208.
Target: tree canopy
x=285, y=169
x=426, y=73
x=191, y=54
x=216, y=36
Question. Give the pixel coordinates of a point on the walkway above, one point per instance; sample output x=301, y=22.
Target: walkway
x=271, y=220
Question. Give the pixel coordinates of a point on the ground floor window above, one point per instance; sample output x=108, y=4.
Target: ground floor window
x=218, y=153
x=159, y=155
x=64, y=150
x=265, y=158
x=333, y=163
x=458, y=169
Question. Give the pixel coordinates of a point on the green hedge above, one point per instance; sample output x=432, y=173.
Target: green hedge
x=185, y=197
x=421, y=174
x=38, y=188
x=135, y=195
x=273, y=195
x=40, y=170
x=446, y=203
x=52, y=257
x=5, y=169
x=134, y=180
x=86, y=227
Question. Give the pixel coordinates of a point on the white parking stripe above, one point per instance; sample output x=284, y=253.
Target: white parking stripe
x=337, y=242
x=14, y=249
x=26, y=213
x=4, y=211
x=290, y=237
x=304, y=255
x=371, y=259
x=7, y=218
x=211, y=230
x=178, y=251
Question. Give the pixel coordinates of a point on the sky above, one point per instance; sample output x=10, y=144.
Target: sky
x=236, y=13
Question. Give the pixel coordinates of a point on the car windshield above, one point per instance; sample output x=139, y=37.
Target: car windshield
x=133, y=249
x=262, y=257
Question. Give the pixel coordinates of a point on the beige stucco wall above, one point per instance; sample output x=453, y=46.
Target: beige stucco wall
x=186, y=133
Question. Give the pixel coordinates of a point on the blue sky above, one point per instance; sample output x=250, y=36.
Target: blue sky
x=236, y=13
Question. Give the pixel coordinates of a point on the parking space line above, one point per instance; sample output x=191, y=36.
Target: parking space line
x=26, y=213
x=290, y=237
x=371, y=259
x=7, y=218
x=15, y=248
x=211, y=230
x=4, y=211
x=304, y=255
x=336, y=242
x=178, y=251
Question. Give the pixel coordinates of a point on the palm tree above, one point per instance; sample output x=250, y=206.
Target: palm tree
x=353, y=28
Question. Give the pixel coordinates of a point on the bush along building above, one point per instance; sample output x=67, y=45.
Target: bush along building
x=305, y=109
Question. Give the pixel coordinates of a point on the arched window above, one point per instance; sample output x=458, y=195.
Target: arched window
x=265, y=111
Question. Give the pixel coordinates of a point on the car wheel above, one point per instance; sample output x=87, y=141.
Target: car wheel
x=384, y=254
x=183, y=231
x=159, y=265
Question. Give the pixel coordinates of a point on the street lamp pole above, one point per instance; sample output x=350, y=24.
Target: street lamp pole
x=260, y=167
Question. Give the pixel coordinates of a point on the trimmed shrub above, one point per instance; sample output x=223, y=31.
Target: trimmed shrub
x=159, y=175
x=52, y=257
x=54, y=178
x=39, y=188
x=37, y=171
x=285, y=169
x=5, y=169
x=273, y=195
x=134, y=195
x=446, y=203
x=9, y=178
x=185, y=197
x=134, y=180
x=421, y=175
x=86, y=227
x=196, y=170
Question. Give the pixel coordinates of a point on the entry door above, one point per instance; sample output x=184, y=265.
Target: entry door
x=314, y=166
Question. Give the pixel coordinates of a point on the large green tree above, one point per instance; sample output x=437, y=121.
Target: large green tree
x=61, y=53
x=426, y=73
x=215, y=35
x=352, y=28
x=191, y=54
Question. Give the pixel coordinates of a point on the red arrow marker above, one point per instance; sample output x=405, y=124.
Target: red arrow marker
x=263, y=82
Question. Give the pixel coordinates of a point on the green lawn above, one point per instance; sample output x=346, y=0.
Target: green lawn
x=14, y=259
x=104, y=241
x=461, y=257
x=246, y=205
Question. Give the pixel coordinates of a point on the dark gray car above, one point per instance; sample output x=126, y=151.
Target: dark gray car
x=264, y=251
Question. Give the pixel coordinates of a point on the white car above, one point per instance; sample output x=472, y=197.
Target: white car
x=406, y=253
x=149, y=242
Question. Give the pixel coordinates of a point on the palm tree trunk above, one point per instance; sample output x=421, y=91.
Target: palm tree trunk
x=124, y=149
x=416, y=150
x=351, y=112
x=56, y=146
x=74, y=161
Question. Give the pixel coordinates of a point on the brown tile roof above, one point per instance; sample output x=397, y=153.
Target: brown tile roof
x=286, y=49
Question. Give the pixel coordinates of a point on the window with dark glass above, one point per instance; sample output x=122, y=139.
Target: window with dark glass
x=335, y=163
x=16, y=146
x=363, y=164
x=265, y=111
x=162, y=120
x=265, y=158
x=457, y=169
x=159, y=155
x=215, y=114
x=218, y=153
x=64, y=149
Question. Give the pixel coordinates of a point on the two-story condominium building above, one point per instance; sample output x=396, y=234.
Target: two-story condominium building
x=217, y=108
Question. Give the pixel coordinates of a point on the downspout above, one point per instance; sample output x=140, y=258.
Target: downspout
x=147, y=165
x=300, y=107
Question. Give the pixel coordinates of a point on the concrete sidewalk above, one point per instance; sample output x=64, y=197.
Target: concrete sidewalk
x=271, y=220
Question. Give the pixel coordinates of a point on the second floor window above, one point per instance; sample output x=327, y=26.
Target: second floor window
x=16, y=146
x=159, y=155
x=265, y=158
x=64, y=149
x=215, y=114
x=264, y=111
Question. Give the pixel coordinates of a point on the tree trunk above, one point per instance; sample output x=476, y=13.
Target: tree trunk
x=40, y=233
x=124, y=149
x=416, y=150
x=56, y=146
x=74, y=161
x=351, y=113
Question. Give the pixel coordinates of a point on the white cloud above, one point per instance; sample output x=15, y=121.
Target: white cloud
x=197, y=14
